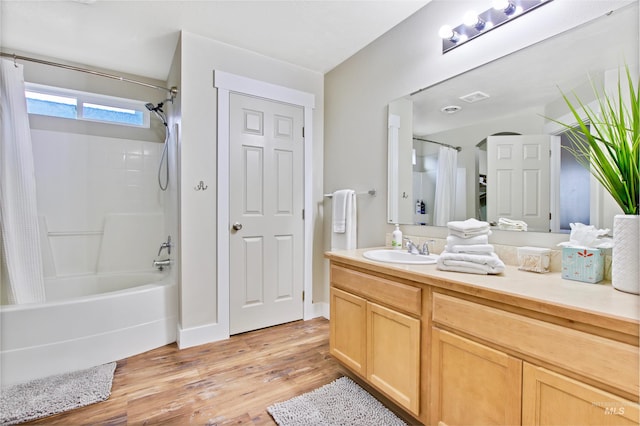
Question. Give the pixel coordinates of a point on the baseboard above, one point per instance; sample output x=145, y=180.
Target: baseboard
x=195, y=336
x=318, y=309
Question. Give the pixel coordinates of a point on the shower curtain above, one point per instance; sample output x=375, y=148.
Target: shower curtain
x=18, y=212
x=444, y=204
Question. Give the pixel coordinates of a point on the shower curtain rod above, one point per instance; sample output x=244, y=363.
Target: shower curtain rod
x=172, y=91
x=457, y=148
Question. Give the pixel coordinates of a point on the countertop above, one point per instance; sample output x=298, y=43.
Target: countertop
x=599, y=304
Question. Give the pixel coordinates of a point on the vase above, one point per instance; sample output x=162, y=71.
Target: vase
x=625, y=262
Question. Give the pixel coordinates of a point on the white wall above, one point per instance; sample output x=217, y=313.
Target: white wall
x=199, y=58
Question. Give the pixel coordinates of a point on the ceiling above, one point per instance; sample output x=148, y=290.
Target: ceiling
x=139, y=37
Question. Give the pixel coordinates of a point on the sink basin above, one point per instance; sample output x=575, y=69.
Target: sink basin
x=398, y=256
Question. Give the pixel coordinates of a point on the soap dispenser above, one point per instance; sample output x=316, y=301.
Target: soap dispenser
x=396, y=238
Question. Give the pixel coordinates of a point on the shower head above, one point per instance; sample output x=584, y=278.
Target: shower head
x=155, y=108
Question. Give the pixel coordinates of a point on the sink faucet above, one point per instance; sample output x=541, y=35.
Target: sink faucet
x=166, y=245
x=414, y=249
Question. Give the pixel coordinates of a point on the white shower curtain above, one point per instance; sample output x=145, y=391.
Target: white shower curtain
x=445, y=200
x=18, y=212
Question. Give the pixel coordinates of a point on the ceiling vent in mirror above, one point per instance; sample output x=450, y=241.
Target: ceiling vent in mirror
x=474, y=97
x=451, y=109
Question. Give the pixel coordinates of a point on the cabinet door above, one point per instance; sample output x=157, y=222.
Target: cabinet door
x=393, y=355
x=348, y=330
x=552, y=399
x=472, y=383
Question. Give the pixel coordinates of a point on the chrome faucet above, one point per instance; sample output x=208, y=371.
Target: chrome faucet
x=166, y=245
x=414, y=249
x=161, y=264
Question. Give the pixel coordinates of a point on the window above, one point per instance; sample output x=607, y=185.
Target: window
x=76, y=105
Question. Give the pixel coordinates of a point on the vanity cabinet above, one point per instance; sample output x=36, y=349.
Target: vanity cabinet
x=464, y=349
x=375, y=332
x=481, y=374
x=473, y=383
x=551, y=398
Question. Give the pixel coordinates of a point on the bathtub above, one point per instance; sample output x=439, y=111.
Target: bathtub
x=87, y=321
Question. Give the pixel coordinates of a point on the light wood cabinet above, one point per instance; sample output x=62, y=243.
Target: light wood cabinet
x=472, y=383
x=379, y=343
x=466, y=351
x=347, y=336
x=393, y=355
x=553, y=399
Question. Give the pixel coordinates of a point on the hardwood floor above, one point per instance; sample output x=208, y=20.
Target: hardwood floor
x=222, y=383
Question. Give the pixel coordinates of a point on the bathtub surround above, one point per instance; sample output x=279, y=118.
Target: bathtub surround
x=18, y=207
x=55, y=394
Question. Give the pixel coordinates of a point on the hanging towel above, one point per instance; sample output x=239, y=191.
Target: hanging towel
x=340, y=199
x=344, y=223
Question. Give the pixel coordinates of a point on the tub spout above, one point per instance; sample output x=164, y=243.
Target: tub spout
x=161, y=264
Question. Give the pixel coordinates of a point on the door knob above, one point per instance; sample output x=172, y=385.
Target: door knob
x=237, y=226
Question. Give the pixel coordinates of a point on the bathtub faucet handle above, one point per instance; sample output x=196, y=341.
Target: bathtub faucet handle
x=166, y=245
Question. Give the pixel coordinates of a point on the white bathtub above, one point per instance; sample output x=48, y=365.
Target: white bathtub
x=87, y=321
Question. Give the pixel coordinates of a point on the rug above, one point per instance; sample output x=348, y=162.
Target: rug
x=341, y=402
x=55, y=394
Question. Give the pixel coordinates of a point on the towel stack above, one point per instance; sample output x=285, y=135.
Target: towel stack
x=468, y=249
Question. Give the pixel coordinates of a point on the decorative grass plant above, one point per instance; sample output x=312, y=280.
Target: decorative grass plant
x=607, y=141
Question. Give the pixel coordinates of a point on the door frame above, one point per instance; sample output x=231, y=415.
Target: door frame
x=226, y=83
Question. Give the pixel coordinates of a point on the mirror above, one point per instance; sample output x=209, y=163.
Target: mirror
x=504, y=99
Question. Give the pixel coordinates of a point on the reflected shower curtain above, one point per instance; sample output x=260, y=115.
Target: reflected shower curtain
x=18, y=212
x=445, y=200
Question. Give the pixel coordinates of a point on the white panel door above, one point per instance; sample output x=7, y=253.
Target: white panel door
x=518, y=179
x=265, y=211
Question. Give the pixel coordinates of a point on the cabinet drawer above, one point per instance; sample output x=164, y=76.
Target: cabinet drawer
x=402, y=297
x=601, y=359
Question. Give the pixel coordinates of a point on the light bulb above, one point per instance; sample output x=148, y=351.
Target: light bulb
x=500, y=4
x=470, y=18
x=446, y=32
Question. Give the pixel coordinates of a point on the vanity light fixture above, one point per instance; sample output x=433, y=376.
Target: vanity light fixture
x=475, y=24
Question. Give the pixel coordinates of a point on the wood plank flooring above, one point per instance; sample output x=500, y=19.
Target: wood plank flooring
x=222, y=383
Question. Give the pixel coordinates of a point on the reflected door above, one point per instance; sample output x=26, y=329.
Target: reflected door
x=518, y=171
x=266, y=202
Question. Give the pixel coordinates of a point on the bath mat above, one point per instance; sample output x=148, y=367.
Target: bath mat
x=341, y=402
x=55, y=394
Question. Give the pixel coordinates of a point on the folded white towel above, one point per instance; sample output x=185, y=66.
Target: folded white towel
x=511, y=224
x=468, y=228
x=453, y=240
x=468, y=267
x=490, y=259
x=470, y=248
x=339, y=219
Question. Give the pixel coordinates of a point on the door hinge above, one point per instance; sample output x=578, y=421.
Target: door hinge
x=549, y=215
x=303, y=132
x=302, y=214
x=303, y=295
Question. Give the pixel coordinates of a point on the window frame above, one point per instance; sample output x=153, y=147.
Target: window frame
x=83, y=98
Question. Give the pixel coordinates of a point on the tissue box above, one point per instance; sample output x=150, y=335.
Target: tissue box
x=534, y=259
x=582, y=264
